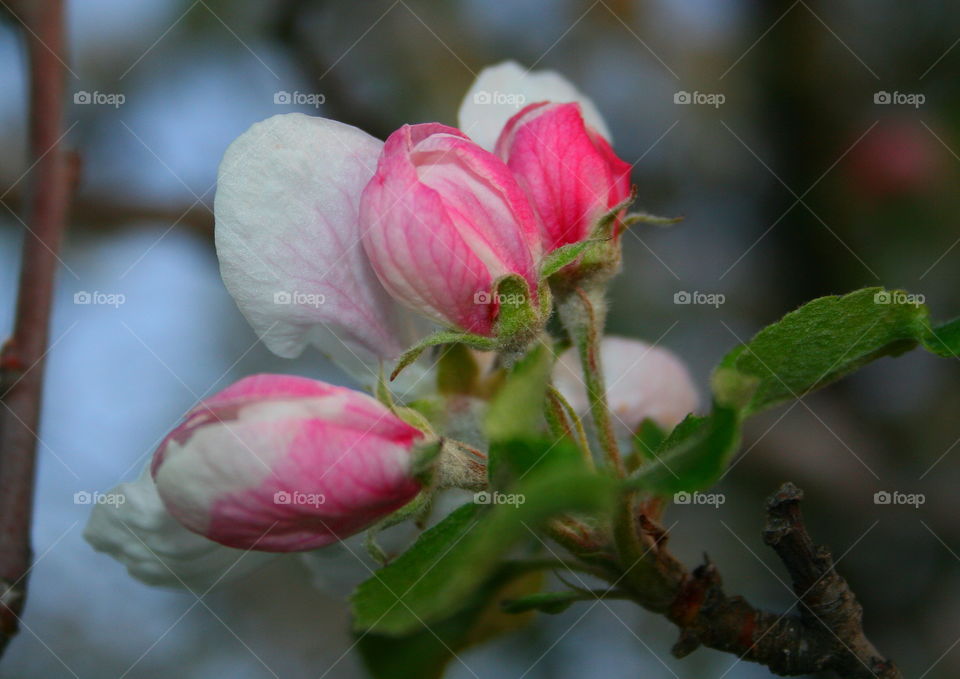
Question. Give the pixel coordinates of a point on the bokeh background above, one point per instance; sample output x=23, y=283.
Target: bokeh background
x=803, y=182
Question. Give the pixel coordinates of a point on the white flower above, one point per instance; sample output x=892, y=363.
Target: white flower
x=288, y=240
x=156, y=549
x=642, y=382
x=502, y=90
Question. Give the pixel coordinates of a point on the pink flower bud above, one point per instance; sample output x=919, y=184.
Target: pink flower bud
x=642, y=381
x=281, y=464
x=442, y=220
x=568, y=170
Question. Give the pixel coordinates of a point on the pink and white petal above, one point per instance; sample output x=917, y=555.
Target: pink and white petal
x=557, y=164
x=419, y=254
x=289, y=243
x=485, y=202
x=220, y=477
x=155, y=548
x=482, y=114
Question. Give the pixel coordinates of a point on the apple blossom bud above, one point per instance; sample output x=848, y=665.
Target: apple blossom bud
x=642, y=381
x=442, y=221
x=568, y=170
x=280, y=463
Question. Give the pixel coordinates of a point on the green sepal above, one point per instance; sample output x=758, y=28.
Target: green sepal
x=563, y=256
x=442, y=337
x=518, y=321
x=647, y=218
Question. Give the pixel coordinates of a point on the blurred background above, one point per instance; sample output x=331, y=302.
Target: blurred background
x=818, y=153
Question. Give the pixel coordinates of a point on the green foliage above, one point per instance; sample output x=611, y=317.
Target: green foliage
x=943, y=341
x=425, y=653
x=694, y=455
x=818, y=343
x=517, y=409
x=431, y=580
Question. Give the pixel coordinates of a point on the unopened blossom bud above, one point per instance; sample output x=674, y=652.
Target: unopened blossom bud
x=642, y=381
x=442, y=221
x=568, y=170
x=281, y=463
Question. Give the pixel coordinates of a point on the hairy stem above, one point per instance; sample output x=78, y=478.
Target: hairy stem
x=582, y=314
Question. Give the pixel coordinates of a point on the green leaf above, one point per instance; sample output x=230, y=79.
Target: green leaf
x=450, y=561
x=517, y=408
x=945, y=340
x=818, y=343
x=648, y=439
x=425, y=653
x=694, y=455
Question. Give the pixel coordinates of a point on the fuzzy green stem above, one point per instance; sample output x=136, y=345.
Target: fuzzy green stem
x=583, y=314
x=563, y=421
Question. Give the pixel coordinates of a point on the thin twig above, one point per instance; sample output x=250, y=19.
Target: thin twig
x=825, y=635
x=21, y=360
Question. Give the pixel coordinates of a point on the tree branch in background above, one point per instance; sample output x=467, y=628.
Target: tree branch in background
x=825, y=635
x=21, y=360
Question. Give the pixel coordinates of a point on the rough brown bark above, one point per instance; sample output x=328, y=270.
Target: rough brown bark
x=826, y=633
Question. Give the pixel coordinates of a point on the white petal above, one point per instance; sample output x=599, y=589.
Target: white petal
x=501, y=91
x=288, y=240
x=642, y=381
x=139, y=533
